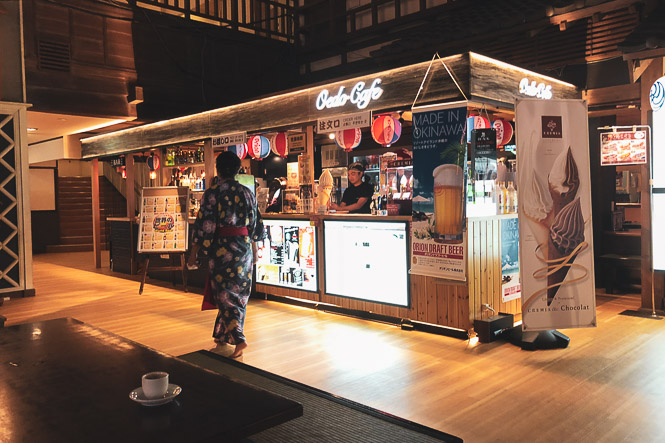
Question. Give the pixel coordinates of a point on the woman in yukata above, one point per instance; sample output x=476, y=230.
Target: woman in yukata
x=226, y=230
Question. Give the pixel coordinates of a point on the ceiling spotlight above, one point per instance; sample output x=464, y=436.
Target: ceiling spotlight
x=331, y=136
x=32, y=129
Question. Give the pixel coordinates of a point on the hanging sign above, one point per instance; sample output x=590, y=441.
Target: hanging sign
x=438, y=243
x=556, y=229
x=236, y=138
x=623, y=148
x=341, y=122
x=297, y=143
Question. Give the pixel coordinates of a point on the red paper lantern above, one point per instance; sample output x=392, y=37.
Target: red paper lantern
x=280, y=144
x=348, y=139
x=258, y=147
x=386, y=130
x=504, y=131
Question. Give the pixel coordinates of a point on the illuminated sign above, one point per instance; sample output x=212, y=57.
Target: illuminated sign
x=359, y=96
x=535, y=89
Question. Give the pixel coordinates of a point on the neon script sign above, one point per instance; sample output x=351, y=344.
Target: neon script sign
x=359, y=96
x=533, y=89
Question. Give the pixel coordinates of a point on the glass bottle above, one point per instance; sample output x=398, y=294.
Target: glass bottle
x=512, y=199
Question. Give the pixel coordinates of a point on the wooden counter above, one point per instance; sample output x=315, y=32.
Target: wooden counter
x=437, y=301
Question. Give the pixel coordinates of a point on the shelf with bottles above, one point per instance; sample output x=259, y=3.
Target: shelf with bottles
x=186, y=155
x=192, y=177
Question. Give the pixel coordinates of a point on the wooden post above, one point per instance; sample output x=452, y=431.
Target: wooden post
x=131, y=201
x=96, y=216
x=209, y=159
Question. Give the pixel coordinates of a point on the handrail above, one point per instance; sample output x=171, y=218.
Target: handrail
x=270, y=18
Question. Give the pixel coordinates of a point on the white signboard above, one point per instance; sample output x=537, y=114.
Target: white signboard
x=164, y=221
x=341, y=122
x=236, y=138
x=554, y=195
x=367, y=260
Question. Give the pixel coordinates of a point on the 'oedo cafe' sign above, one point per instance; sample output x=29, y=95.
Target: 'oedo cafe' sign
x=359, y=96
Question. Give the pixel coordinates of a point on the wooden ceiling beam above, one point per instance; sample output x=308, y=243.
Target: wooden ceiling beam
x=590, y=11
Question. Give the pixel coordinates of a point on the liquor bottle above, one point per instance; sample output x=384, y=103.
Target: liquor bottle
x=500, y=198
x=384, y=198
x=512, y=198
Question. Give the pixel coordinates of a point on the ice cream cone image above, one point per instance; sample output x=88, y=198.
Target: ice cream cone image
x=565, y=243
x=564, y=180
x=325, y=188
x=536, y=210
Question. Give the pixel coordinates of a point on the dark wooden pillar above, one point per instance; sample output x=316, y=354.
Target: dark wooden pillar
x=96, y=215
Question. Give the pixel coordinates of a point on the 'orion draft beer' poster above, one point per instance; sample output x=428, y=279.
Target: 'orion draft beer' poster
x=554, y=197
x=438, y=247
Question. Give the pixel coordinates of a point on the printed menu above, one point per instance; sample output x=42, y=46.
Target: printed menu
x=287, y=255
x=164, y=222
x=623, y=148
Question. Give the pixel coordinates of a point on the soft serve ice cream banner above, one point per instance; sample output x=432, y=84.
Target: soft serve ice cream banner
x=554, y=195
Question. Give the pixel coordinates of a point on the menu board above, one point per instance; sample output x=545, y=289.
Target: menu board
x=287, y=255
x=367, y=260
x=623, y=148
x=164, y=221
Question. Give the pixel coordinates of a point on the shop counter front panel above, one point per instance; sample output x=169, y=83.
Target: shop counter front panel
x=287, y=256
x=367, y=260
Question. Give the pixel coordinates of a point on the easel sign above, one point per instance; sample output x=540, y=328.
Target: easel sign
x=164, y=227
x=164, y=223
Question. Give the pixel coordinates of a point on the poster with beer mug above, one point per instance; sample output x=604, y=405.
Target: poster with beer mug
x=438, y=244
x=554, y=198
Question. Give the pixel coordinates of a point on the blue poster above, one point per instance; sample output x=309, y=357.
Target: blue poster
x=439, y=171
x=510, y=264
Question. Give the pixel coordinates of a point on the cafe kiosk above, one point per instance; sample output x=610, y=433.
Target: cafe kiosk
x=306, y=258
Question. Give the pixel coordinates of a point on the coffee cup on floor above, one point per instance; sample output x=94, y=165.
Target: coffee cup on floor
x=155, y=384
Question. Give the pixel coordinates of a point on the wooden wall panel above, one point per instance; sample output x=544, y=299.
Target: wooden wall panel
x=87, y=37
x=119, y=45
x=286, y=292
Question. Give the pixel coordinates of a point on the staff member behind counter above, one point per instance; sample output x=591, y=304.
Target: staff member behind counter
x=358, y=195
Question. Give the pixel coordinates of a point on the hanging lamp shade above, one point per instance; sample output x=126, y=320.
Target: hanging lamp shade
x=475, y=122
x=386, y=130
x=239, y=150
x=348, y=139
x=504, y=132
x=258, y=147
x=280, y=144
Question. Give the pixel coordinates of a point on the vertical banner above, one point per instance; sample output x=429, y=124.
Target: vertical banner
x=510, y=264
x=554, y=195
x=438, y=246
x=657, y=101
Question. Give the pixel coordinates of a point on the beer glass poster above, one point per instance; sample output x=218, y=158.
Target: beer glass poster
x=164, y=223
x=287, y=255
x=439, y=171
x=554, y=197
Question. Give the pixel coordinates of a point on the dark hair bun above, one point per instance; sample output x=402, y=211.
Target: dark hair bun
x=228, y=164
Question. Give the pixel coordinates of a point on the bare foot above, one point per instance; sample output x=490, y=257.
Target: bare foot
x=239, y=348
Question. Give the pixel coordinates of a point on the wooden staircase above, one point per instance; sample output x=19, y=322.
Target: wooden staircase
x=74, y=204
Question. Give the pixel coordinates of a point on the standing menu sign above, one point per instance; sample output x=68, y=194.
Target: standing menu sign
x=438, y=244
x=556, y=238
x=287, y=255
x=164, y=222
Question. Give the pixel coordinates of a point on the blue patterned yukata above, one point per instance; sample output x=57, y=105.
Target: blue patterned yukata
x=230, y=258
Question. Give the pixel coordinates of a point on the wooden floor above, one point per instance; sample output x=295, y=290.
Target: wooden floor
x=608, y=385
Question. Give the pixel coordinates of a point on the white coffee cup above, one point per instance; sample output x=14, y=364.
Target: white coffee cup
x=155, y=384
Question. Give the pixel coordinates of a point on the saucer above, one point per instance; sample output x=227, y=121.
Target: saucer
x=171, y=393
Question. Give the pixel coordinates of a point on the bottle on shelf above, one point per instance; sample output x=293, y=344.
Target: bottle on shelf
x=512, y=199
